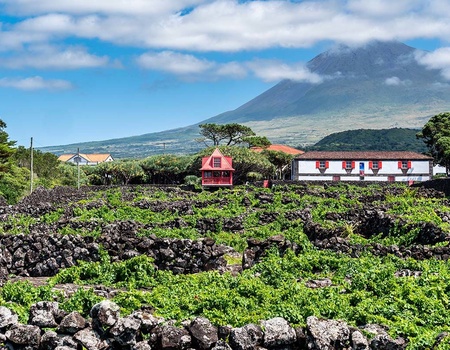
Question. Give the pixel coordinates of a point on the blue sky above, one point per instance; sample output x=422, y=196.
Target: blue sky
x=84, y=70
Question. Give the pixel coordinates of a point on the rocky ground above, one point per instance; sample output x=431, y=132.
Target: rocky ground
x=42, y=252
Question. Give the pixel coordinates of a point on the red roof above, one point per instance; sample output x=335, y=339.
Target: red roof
x=279, y=148
x=225, y=162
x=369, y=155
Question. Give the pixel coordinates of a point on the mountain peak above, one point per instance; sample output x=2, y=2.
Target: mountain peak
x=379, y=85
x=365, y=59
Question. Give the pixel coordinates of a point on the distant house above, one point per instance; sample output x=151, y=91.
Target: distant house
x=279, y=148
x=217, y=170
x=362, y=166
x=86, y=159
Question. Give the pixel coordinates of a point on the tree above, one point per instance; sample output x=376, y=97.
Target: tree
x=280, y=160
x=257, y=141
x=14, y=184
x=45, y=165
x=166, y=168
x=6, y=148
x=126, y=170
x=69, y=175
x=436, y=135
x=229, y=134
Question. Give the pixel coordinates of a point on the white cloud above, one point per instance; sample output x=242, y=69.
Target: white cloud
x=272, y=71
x=232, y=70
x=129, y=7
x=396, y=81
x=38, y=38
x=226, y=25
x=35, y=83
x=383, y=8
x=173, y=62
x=189, y=65
x=52, y=58
x=438, y=59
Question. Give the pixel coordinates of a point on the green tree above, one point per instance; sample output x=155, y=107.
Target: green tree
x=281, y=161
x=126, y=170
x=69, y=175
x=166, y=168
x=229, y=134
x=14, y=184
x=257, y=141
x=6, y=148
x=436, y=135
x=45, y=165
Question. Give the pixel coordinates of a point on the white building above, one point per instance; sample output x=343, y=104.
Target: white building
x=362, y=166
x=86, y=159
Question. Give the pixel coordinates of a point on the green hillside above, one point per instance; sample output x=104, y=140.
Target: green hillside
x=396, y=139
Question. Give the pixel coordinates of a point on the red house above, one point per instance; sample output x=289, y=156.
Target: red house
x=217, y=170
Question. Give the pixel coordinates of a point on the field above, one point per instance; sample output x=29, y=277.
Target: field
x=364, y=255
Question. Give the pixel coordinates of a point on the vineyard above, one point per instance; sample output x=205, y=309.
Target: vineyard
x=369, y=261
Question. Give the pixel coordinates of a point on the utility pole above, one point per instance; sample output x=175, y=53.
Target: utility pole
x=78, y=168
x=31, y=166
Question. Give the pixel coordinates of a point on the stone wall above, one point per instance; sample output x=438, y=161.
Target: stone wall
x=51, y=328
x=43, y=254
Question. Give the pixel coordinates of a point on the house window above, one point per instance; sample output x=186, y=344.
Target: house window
x=348, y=165
x=225, y=174
x=375, y=164
x=216, y=173
x=207, y=174
x=404, y=164
x=216, y=162
x=322, y=164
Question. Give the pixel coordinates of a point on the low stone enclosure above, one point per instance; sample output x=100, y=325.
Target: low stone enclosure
x=51, y=328
x=42, y=253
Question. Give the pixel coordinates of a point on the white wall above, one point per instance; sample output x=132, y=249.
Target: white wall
x=306, y=170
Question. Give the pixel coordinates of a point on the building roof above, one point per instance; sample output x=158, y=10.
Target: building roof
x=65, y=157
x=279, y=148
x=93, y=157
x=208, y=162
x=363, y=155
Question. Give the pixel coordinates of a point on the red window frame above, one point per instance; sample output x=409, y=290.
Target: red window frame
x=217, y=162
x=322, y=164
x=379, y=164
x=348, y=164
x=404, y=164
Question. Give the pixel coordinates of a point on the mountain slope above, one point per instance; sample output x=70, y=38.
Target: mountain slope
x=395, y=139
x=376, y=86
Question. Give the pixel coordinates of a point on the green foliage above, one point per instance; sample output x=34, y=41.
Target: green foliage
x=20, y=295
x=14, y=184
x=81, y=301
x=395, y=139
x=6, y=148
x=45, y=165
x=257, y=141
x=133, y=273
x=280, y=160
x=363, y=290
x=230, y=134
x=436, y=136
x=69, y=175
x=166, y=168
x=119, y=172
